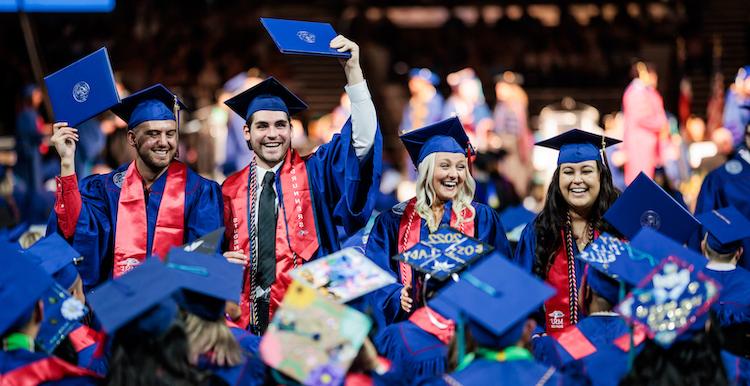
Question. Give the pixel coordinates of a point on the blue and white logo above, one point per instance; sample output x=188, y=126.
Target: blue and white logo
x=81, y=91
x=651, y=219
x=305, y=36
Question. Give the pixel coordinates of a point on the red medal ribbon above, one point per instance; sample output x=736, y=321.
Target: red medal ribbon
x=132, y=228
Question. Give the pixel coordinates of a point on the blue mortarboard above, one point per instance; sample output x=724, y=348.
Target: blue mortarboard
x=514, y=220
x=659, y=246
x=269, y=94
x=447, y=136
x=576, y=146
x=645, y=204
x=726, y=227
x=210, y=280
x=143, y=293
x=207, y=244
x=22, y=284
x=668, y=302
x=57, y=258
x=444, y=252
x=496, y=296
x=426, y=74
x=155, y=103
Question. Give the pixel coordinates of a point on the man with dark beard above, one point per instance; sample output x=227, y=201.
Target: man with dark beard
x=144, y=207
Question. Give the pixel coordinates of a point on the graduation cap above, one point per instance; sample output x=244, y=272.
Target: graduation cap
x=62, y=313
x=646, y=204
x=207, y=244
x=269, y=94
x=57, y=258
x=22, y=284
x=313, y=339
x=726, y=227
x=672, y=300
x=495, y=296
x=155, y=103
x=576, y=146
x=514, y=220
x=426, y=74
x=209, y=281
x=447, y=136
x=143, y=293
x=444, y=252
x=660, y=247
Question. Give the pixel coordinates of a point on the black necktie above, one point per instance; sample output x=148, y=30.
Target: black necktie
x=266, y=246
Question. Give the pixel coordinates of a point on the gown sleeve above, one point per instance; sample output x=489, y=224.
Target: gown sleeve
x=206, y=212
x=525, y=250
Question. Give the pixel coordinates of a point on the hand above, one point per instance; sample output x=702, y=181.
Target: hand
x=351, y=66
x=64, y=139
x=237, y=257
x=406, y=301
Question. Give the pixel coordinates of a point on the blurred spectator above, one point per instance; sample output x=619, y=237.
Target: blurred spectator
x=425, y=106
x=646, y=123
x=467, y=102
x=737, y=106
x=512, y=130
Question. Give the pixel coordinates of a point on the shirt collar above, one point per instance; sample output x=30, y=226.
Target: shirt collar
x=260, y=172
x=718, y=266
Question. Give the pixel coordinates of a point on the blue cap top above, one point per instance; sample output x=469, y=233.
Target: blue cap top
x=210, y=280
x=22, y=284
x=576, y=146
x=426, y=74
x=57, y=258
x=446, y=136
x=673, y=300
x=155, y=103
x=444, y=252
x=145, y=290
x=726, y=227
x=270, y=95
x=496, y=296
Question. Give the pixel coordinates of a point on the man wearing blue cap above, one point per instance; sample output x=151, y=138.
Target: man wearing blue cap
x=737, y=105
x=282, y=210
x=728, y=185
x=24, y=284
x=144, y=207
x=425, y=106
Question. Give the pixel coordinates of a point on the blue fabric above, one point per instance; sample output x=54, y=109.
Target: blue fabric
x=95, y=231
x=150, y=110
x=440, y=143
x=265, y=102
x=418, y=354
x=733, y=306
x=722, y=188
x=383, y=243
x=250, y=372
x=736, y=115
x=16, y=359
x=577, y=152
x=738, y=369
x=522, y=372
x=90, y=144
x=426, y=74
x=604, y=286
x=87, y=359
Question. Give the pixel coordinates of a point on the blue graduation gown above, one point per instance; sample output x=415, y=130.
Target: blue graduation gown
x=250, y=372
x=733, y=306
x=520, y=372
x=526, y=251
x=383, y=244
x=418, y=354
x=95, y=231
x=727, y=185
x=738, y=369
x=57, y=372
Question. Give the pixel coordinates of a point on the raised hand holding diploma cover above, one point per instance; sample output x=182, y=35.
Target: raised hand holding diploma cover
x=302, y=37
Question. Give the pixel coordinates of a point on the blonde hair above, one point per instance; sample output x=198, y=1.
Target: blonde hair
x=426, y=194
x=207, y=335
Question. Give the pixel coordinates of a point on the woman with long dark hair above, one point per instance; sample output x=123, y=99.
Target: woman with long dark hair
x=580, y=192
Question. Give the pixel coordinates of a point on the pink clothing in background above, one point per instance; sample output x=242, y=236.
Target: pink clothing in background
x=645, y=118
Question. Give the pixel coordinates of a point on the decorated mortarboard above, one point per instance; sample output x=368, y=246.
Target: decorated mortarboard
x=57, y=258
x=210, y=280
x=83, y=89
x=270, y=95
x=446, y=136
x=495, y=295
x=303, y=37
x=207, y=244
x=726, y=228
x=514, y=220
x=576, y=146
x=426, y=74
x=62, y=313
x=444, y=252
x=22, y=284
x=312, y=339
x=674, y=297
x=343, y=276
x=143, y=293
x=155, y=103
x=660, y=246
x=644, y=204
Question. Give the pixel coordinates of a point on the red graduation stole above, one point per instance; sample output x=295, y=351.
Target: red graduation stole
x=296, y=235
x=409, y=232
x=421, y=319
x=84, y=337
x=49, y=369
x=132, y=228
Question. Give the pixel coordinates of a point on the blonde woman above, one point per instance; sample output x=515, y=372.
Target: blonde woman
x=445, y=190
